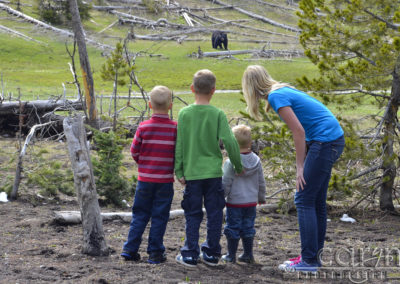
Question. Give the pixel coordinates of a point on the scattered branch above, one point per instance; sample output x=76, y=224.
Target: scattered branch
x=21, y=35
x=259, y=17
x=234, y=23
x=109, y=26
x=66, y=33
x=19, y=169
x=108, y=8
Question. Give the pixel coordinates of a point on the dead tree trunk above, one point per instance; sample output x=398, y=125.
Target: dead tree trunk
x=389, y=132
x=85, y=64
x=94, y=242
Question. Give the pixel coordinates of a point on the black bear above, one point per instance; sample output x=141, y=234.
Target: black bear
x=218, y=39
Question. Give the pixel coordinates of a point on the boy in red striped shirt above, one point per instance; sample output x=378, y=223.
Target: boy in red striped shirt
x=153, y=148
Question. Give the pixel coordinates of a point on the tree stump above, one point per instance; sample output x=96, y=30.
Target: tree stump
x=94, y=242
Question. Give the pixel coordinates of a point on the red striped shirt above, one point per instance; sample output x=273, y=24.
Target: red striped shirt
x=153, y=148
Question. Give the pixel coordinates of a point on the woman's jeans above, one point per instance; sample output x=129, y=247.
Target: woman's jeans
x=240, y=222
x=311, y=201
x=152, y=200
x=210, y=190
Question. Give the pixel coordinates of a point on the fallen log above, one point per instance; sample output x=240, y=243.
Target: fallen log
x=33, y=113
x=74, y=217
x=159, y=23
x=234, y=23
x=259, y=17
x=21, y=35
x=276, y=6
x=127, y=1
x=40, y=106
x=109, y=8
x=38, y=23
x=272, y=53
x=227, y=52
x=268, y=53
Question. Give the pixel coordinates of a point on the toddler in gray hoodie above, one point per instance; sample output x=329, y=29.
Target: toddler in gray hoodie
x=242, y=193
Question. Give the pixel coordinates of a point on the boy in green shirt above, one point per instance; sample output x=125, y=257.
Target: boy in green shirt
x=198, y=166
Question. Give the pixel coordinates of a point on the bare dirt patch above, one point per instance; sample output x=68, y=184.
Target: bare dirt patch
x=35, y=250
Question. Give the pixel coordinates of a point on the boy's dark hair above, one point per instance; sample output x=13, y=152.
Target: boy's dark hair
x=204, y=82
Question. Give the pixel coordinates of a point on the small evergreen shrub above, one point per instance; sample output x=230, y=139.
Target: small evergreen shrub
x=153, y=6
x=58, y=13
x=52, y=178
x=111, y=185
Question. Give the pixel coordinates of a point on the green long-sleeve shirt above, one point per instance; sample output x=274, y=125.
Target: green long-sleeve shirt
x=197, y=152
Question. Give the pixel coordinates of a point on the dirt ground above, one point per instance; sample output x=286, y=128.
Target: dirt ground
x=35, y=250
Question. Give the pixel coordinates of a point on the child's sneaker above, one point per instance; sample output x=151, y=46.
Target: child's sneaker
x=302, y=266
x=186, y=260
x=156, y=258
x=228, y=258
x=209, y=259
x=130, y=256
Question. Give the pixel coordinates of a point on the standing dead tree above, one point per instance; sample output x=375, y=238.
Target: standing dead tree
x=94, y=242
x=85, y=64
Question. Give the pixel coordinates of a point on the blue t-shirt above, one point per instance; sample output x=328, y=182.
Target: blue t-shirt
x=317, y=120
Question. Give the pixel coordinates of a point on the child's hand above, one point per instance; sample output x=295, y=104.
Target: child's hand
x=182, y=180
x=241, y=174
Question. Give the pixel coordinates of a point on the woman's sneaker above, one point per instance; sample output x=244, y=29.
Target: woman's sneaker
x=302, y=266
x=186, y=260
x=294, y=260
x=289, y=262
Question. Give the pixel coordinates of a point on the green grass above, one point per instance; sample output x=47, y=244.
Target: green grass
x=39, y=70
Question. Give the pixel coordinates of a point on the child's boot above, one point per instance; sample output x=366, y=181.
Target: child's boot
x=232, y=248
x=247, y=255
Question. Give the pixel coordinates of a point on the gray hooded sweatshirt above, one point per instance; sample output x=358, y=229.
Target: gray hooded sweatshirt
x=247, y=189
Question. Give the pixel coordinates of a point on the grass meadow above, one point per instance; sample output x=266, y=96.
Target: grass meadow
x=36, y=70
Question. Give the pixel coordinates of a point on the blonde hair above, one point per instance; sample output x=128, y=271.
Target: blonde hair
x=256, y=85
x=160, y=98
x=243, y=135
x=204, y=82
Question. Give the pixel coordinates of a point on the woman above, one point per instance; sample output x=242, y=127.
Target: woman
x=318, y=140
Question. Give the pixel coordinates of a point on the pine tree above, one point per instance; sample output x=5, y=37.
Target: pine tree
x=356, y=46
x=116, y=69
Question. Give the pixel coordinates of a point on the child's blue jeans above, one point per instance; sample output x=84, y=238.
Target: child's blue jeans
x=311, y=201
x=152, y=200
x=195, y=191
x=240, y=222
